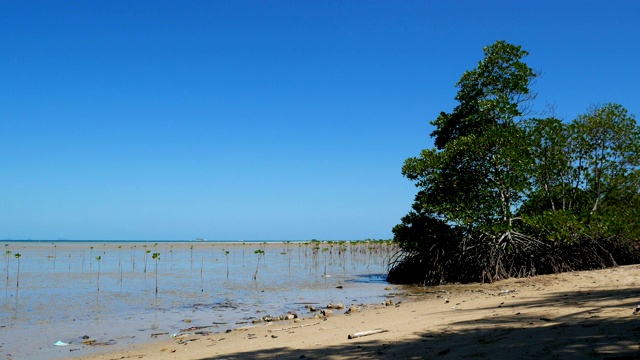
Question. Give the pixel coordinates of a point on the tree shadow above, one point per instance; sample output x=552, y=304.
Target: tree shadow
x=601, y=326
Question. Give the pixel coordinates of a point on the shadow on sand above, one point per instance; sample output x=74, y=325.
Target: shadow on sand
x=590, y=332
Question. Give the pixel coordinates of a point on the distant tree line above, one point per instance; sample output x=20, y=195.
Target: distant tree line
x=503, y=194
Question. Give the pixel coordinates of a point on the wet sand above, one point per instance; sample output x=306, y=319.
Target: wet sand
x=577, y=315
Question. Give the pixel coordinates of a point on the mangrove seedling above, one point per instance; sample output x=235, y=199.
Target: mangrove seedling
x=156, y=258
x=55, y=255
x=226, y=254
x=191, y=249
x=8, y=252
x=147, y=252
x=259, y=254
x=17, y=255
x=90, y=258
x=201, y=269
x=324, y=251
x=120, y=261
x=98, y=258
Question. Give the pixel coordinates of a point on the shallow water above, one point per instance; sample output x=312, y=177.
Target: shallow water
x=65, y=293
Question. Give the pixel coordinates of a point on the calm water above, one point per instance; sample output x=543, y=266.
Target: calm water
x=57, y=296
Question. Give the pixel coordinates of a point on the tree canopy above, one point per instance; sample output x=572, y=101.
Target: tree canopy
x=502, y=194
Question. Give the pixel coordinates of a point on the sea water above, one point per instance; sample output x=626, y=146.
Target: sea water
x=106, y=291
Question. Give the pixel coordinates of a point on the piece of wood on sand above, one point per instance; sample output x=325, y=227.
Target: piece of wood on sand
x=366, y=333
x=294, y=327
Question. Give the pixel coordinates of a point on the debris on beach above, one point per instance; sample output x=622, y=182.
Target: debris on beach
x=187, y=341
x=196, y=328
x=86, y=340
x=326, y=312
x=60, y=343
x=366, y=333
x=352, y=309
x=337, y=306
x=294, y=327
x=269, y=318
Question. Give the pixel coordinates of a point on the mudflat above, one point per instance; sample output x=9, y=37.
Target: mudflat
x=575, y=315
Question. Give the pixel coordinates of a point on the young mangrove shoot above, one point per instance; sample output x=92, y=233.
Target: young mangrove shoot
x=259, y=254
x=8, y=252
x=90, y=258
x=156, y=258
x=226, y=254
x=17, y=255
x=191, y=249
x=98, y=258
x=147, y=252
x=324, y=252
x=120, y=262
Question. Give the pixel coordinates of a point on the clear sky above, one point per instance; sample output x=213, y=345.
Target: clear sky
x=261, y=120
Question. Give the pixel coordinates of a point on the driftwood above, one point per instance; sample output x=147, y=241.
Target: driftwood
x=196, y=328
x=366, y=333
x=294, y=327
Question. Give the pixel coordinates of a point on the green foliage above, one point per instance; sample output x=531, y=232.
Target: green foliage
x=478, y=171
x=501, y=195
x=493, y=93
x=586, y=175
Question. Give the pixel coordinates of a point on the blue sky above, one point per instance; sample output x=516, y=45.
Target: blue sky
x=261, y=120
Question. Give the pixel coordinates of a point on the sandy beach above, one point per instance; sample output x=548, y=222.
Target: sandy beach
x=577, y=315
